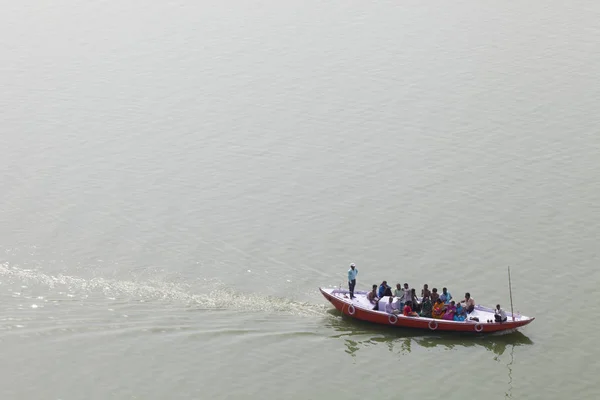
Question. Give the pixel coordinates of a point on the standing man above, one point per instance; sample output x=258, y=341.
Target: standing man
x=352, y=272
x=446, y=296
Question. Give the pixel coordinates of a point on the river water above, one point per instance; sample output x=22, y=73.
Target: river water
x=179, y=178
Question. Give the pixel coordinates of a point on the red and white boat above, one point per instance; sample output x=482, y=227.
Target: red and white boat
x=360, y=308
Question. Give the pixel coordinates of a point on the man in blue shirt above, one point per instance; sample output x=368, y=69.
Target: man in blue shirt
x=352, y=272
x=445, y=296
x=384, y=290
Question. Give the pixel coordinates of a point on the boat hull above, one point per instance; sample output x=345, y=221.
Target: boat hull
x=360, y=312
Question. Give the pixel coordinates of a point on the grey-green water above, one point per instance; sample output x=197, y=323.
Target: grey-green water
x=178, y=179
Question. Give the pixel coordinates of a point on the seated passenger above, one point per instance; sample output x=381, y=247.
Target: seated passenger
x=469, y=303
x=445, y=296
x=372, y=297
x=450, y=311
x=408, y=312
x=425, y=292
x=384, y=290
x=434, y=295
x=438, y=309
x=426, y=308
x=390, y=307
x=499, y=314
x=461, y=313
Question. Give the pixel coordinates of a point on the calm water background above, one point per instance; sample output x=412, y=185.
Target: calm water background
x=179, y=178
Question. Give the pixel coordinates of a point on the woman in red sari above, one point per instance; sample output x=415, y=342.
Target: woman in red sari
x=408, y=312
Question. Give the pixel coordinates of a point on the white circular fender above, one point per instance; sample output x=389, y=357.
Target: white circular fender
x=478, y=327
x=433, y=325
x=393, y=319
x=351, y=309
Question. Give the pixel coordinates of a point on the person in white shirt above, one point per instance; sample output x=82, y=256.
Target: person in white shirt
x=499, y=314
x=407, y=294
x=469, y=303
x=352, y=272
x=390, y=307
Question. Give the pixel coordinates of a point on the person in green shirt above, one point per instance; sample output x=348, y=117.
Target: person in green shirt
x=426, y=308
x=398, y=292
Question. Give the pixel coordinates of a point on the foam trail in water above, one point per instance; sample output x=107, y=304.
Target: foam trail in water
x=220, y=297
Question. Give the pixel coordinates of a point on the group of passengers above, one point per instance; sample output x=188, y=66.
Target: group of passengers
x=432, y=304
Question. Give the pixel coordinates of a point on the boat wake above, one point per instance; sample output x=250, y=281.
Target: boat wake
x=217, y=297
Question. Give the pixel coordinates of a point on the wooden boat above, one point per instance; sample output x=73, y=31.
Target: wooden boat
x=360, y=308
